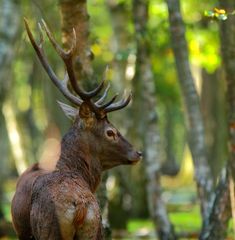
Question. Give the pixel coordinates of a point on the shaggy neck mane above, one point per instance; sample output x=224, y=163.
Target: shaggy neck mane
x=76, y=157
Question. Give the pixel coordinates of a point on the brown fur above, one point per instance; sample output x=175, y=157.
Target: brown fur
x=22, y=201
x=61, y=204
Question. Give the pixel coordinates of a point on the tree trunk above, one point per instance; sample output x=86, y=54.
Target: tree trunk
x=75, y=16
x=195, y=126
x=144, y=109
x=227, y=32
x=217, y=226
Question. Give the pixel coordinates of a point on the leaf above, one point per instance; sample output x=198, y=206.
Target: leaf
x=220, y=11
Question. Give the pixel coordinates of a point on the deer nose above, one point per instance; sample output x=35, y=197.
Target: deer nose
x=139, y=153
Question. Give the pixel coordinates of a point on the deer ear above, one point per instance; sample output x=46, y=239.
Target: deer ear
x=69, y=111
x=85, y=111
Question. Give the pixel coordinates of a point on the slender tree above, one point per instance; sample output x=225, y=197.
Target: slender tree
x=144, y=92
x=217, y=225
x=195, y=125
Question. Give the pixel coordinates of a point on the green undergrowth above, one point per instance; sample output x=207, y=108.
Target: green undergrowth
x=189, y=220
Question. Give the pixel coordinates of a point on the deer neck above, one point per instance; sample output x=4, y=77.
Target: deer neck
x=77, y=157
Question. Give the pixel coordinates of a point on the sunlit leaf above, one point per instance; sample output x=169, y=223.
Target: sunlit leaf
x=219, y=11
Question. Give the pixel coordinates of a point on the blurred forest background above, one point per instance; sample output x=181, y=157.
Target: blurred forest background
x=178, y=59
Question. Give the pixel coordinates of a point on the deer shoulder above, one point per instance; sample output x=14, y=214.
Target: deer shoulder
x=65, y=200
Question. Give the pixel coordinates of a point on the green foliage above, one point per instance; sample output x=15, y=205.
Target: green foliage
x=182, y=220
x=202, y=35
x=134, y=225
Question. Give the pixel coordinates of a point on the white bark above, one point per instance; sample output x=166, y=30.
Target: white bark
x=145, y=107
x=195, y=126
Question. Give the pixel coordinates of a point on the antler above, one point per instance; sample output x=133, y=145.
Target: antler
x=99, y=108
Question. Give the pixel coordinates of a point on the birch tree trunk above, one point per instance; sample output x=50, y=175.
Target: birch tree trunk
x=195, y=126
x=144, y=109
x=217, y=225
x=74, y=15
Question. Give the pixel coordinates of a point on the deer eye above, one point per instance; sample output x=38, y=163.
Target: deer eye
x=111, y=134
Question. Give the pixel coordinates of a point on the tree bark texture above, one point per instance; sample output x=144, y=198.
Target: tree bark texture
x=145, y=104
x=217, y=226
x=75, y=16
x=195, y=126
x=227, y=32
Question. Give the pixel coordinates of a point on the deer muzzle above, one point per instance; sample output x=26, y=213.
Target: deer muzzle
x=135, y=157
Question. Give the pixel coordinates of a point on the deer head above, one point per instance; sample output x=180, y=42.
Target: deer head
x=90, y=117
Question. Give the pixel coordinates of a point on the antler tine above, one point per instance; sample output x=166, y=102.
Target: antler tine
x=40, y=53
x=41, y=35
x=57, y=47
x=65, y=84
x=67, y=57
x=118, y=105
x=101, y=100
x=109, y=102
x=94, y=92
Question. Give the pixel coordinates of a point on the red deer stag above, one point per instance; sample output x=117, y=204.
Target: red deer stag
x=60, y=204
